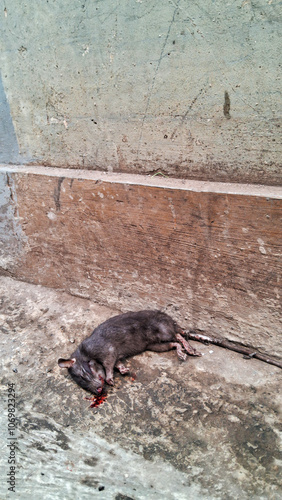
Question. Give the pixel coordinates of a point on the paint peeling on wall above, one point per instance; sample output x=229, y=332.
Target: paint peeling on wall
x=9, y=149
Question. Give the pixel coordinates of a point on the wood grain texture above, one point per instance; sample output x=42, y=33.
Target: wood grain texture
x=211, y=260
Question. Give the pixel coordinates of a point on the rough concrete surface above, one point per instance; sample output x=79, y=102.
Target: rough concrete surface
x=204, y=429
x=188, y=88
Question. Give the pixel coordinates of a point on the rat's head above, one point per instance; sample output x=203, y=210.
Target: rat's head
x=90, y=375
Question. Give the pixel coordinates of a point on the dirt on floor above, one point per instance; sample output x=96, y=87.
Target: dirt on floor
x=207, y=428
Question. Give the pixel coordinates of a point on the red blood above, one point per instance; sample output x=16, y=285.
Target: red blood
x=97, y=400
x=133, y=377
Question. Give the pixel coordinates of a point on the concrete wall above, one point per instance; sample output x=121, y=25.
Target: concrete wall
x=188, y=88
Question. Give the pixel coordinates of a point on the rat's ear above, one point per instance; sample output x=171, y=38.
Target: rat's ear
x=66, y=363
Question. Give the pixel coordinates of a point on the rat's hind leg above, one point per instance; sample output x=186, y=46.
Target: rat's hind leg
x=188, y=348
x=167, y=346
x=121, y=368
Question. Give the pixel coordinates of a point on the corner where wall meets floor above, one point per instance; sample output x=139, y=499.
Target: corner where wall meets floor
x=207, y=253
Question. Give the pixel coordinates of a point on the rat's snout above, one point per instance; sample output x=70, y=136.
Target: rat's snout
x=93, y=388
x=102, y=383
x=97, y=390
x=97, y=386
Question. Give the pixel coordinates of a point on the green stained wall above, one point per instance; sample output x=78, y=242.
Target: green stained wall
x=191, y=89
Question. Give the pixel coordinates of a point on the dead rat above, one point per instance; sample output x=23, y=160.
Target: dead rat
x=119, y=337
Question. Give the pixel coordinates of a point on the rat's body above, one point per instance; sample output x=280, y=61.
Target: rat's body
x=119, y=337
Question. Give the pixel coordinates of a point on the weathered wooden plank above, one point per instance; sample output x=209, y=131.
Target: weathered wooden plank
x=211, y=259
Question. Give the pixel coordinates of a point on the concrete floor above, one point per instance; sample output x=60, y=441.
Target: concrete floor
x=207, y=428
